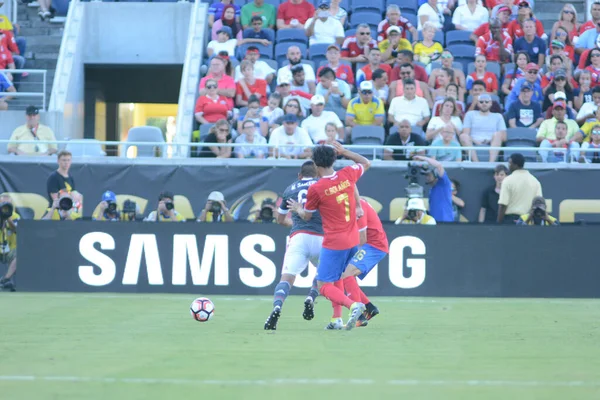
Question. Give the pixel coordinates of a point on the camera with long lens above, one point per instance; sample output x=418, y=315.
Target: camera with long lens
x=6, y=211
x=414, y=190
x=130, y=209
x=266, y=211
x=65, y=203
x=539, y=213
x=111, y=208
x=215, y=208
x=412, y=214
x=169, y=206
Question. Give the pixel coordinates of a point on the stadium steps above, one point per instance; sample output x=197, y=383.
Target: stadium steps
x=547, y=11
x=43, y=45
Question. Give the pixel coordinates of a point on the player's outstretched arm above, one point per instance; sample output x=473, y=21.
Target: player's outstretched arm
x=433, y=162
x=350, y=155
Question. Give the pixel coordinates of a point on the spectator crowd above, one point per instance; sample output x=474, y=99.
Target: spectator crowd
x=12, y=51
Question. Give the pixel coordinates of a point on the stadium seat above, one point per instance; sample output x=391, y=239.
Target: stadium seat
x=291, y=35
x=410, y=6
x=240, y=3
x=270, y=33
x=368, y=131
x=438, y=37
x=412, y=18
x=91, y=148
x=462, y=53
x=438, y=64
x=265, y=51
x=366, y=152
x=458, y=37
x=530, y=156
x=61, y=7
x=316, y=52
x=370, y=18
x=523, y=134
x=145, y=134
x=483, y=155
x=361, y=5
x=282, y=48
x=204, y=131
x=492, y=66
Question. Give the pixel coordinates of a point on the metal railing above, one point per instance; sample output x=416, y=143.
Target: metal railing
x=32, y=91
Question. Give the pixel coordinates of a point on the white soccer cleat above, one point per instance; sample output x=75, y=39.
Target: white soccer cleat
x=336, y=324
x=355, y=312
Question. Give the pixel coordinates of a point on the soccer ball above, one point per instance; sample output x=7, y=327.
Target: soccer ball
x=202, y=309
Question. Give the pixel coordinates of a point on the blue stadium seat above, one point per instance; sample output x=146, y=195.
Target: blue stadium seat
x=366, y=152
x=458, y=37
x=412, y=18
x=368, y=131
x=265, y=51
x=410, y=6
x=362, y=5
x=270, y=33
x=438, y=37
x=291, y=35
x=462, y=53
x=272, y=63
x=316, y=52
x=61, y=7
x=492, y=66
x=530, y=156
x=523, y=134
x=368, y=17
x=282, y=48
x=145, y=134
x=204, y=131
x=239, y=3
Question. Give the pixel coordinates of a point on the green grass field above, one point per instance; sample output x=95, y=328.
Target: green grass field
x=72, y=346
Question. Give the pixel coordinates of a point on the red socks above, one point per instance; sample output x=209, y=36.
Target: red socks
x=337, y=309
x=353, y=290
x=335, y=295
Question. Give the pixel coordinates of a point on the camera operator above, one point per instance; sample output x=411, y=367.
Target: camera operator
x=8, y=241
x=107, y=209
x=440, y=195
x=131, y=211
x=62, y=208
x=537, y=215
x=415, y=213
x=266, y=215
x=215, y=209
x=166, y=210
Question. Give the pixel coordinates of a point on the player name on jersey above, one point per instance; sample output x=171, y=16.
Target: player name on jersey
x=337, y=188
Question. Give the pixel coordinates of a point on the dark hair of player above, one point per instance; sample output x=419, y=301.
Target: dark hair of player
x=309, y=169
x=324, y=156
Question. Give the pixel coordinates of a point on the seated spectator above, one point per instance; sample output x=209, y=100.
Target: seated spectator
x=6, y=58
x=393, y=44
x=532, y=44
x=224, y=43
x=32, y=130
x=429, y=12
x=292, y=106
x=444, y=77
x=223, y=55
x=211, y=106
x=299, y=83
x=407, y=57
x=428, y=50
x=225, y=83
x=555, y=150
x=496, y=45
x=250, y=85
x=592, y=156
x=593, y=23
x=593, y=65
x=556, y=63
x=338, y=12
x=6, y=86
x=294, y=14
x=366, y=72
x=380, y=86
x=314, y=123
x=253, y=113
x=407, y=72
x=258, y=8
x=216, y=11
x=470, y=16
x=290, y=134
x=558, y=48
x=409, y=107
x=249, y=136
x=587, y=111
x=532, y=77
x=482, y=74
x=335, y=91
x=587, y=41
x=331, y=134
x=365, y=109
x=342, y=71
x=273, y=110
x=562, y=45
x=451, y=150
x=584, y=134
x=548, y=127
x=219, y=133
x=511, y=76
x=478, y=89
x=483, y=128
x=451, y=92
x=560, y=96
x=503, y=16
x=559, y=83
x=294, y=57
x=404, y=137
x=12, y=44
x=355, y=49
x=449, y=115
x=257, y=34
x=262, y=70
x=393, y=18
x=516, y=29
x=323, y=28
x=230, y=21
x=567, y=19
x=284, y=88
x=523, y=113
x=447, y=61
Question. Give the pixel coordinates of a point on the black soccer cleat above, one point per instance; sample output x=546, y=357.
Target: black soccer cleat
x=362, y=320
x=271, y=323
x=309, y=309
x=371, y=312
x=7, y=284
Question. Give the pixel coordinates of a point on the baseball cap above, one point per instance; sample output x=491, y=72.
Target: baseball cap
x=109, y=196
x=485, y=96
x=290, y=118
x=317, y=99
x=561, y=73
x=32, y=110
x=284, y=79
x=225, y=29
x=504, y=9
x=416, y=204
x=560, y=96
x=532, y=66
x=366, y=85
x=393, y=28
x=526, y=86
x=557, y=43
x=559, y=103
x=321, y=3
x=539, y=202
x=216, y=196
x=333, y=46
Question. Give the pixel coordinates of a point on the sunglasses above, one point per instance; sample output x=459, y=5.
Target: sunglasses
x=568, y=12
x=365, y=92
x=595, y=54
x=560, y=79
x=211, y=86
x=405, y=73
x=446, y=56
x=524, y=6
x=484, y=102
x=292, y=105
x=532, y=72
x=595, y=132
x=364, y=33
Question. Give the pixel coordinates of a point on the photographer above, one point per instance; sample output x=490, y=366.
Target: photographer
x=416, y=214
x=215, y=209
x=537, y=215
x=266, y=215
x=166, y=210
x=440, y=195
x=8, y=241
x=131, y=211
x=107, y=209
x=62, y=208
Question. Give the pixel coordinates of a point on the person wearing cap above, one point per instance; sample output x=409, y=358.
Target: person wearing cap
x=560, y=49
x=393, y=17
x=517, y=191
x=502, y=15
x=293, y=14
x=483, y=128
x=165, y=211
x=323, y=28
x=319, y=118
x=262, y=70
x=531, y=43
x=216, y=11
x=538, y=214
x=496, y=45
x=224, y=42
x=515, y=27
x=365, y=109
x=366, y=72
x=335, y=91
x=416, y=213
x=32, y=131
x=6, y=86
x=106, y=210
x=355, y=49
x=215, y=209
x=294, y=57
x=410, y=107
x=225, y=83
x=258, y=8
x=560, y=84
x=343, y=71
x=287, y=135
x=470, y=16
x=393, y=44
x=532, y=77
x=548, y=127
x=524, y=113
x=587, y=112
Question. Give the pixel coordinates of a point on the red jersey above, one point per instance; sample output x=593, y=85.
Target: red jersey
x=302, y=12
x=595, y=75
x=350, y=47
x=403, y=23
x=8, y=40
x=490, y=48
x=370, y=221
x=586, y=27
x=516, y=31
x=333, y=196
x=343, y=72
x=213, y=110
x=420, y=74
x=485, y=28
x=491, y=82
x=260, y=86
x=367, y=72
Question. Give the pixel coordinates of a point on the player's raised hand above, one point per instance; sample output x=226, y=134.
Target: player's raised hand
x=339, y=149
x=294, y=205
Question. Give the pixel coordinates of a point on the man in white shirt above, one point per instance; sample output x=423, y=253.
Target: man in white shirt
x=224, y=43
x=323, y=28
x=587, y=112
x=262, y=70
x=410, y=107
x=290, y=134
x=294, y=56
x=316, y=122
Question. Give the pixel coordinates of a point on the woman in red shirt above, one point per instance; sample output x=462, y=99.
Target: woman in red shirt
x=515, y=27
x=480, y=73
x=249, y=85
x=211, y=107
x=593, y=65
x=567, y=19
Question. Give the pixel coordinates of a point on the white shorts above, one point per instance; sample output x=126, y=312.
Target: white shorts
x=301, y=249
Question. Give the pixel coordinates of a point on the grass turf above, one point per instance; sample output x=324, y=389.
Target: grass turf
x=71, y=346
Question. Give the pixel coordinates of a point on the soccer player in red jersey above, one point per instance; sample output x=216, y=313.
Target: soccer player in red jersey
x=334, y=197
